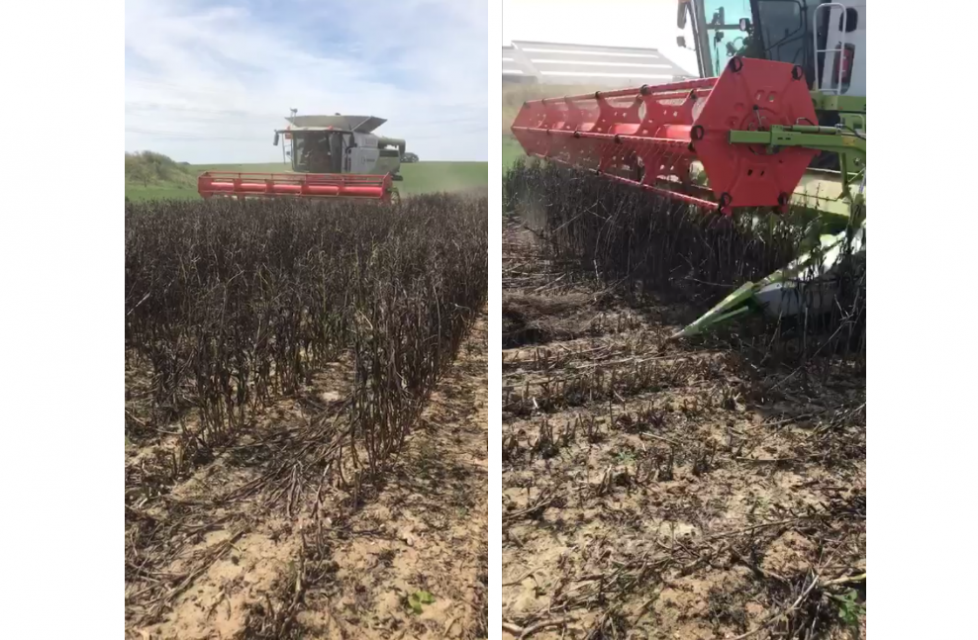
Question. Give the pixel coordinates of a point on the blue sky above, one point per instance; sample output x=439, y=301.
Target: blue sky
x=209, y=81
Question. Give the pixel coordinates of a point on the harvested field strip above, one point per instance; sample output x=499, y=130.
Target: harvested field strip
x=429, y=524
x=279, y=357
x=658, y=489
x=610, y=382
x=329, y=570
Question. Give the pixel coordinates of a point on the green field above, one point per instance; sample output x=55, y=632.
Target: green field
x=512, y=151
x=180, y=181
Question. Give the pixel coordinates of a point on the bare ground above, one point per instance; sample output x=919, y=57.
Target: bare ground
x=654, y=489
x=246, y=542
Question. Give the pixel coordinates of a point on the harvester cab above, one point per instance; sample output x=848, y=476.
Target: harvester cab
x=331, y=157
x=341, y=144
x=809, y=33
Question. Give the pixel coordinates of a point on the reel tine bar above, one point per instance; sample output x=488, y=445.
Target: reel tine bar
x=294, y=185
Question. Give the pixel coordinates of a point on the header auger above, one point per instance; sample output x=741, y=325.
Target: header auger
x=295, y=185
x=753, y=130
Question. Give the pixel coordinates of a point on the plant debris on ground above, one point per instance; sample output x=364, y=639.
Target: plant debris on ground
x=653, y=488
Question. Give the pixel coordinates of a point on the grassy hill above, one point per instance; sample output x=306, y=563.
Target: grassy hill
x=153, y=176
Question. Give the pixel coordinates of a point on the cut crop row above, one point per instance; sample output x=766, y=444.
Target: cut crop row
x=655, y=245
x=232, y=304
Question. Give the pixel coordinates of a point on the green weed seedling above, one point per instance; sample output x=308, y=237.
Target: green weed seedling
x=418, y=599
x=849, y=609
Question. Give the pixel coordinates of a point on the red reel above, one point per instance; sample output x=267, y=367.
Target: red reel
x=649, y=136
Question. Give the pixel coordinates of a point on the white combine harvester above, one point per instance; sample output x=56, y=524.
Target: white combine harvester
x=333, y=156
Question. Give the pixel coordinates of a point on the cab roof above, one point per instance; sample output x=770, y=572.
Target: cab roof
x=359, y=124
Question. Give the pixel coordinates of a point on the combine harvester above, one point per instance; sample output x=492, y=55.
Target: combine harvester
x=752, y=134
x=332, y=157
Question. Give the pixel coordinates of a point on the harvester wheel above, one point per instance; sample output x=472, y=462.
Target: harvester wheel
x=395, y=197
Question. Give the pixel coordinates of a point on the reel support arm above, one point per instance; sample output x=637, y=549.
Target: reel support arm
x=849, y=145
x=829, y=139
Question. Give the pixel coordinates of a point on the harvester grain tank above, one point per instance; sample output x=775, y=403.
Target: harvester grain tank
x=331, y=157
x=744, y=138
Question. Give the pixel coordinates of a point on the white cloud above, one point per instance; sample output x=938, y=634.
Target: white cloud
x=209, y=82
x=624, y=23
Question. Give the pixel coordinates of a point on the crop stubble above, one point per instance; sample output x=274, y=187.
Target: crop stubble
x=661, y=489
